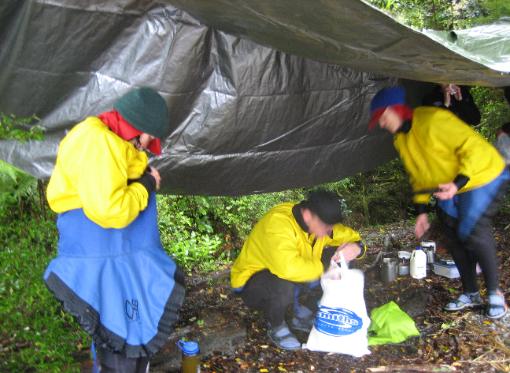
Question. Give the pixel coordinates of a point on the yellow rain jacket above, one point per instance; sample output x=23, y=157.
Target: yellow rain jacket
x=278, y=243
x=440, y=146
x=91, y=154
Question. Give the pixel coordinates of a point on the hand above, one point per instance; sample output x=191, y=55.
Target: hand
x=349, y=250
x=156, y=176
x=422, y=225
x=451, y=90
x=446, y=191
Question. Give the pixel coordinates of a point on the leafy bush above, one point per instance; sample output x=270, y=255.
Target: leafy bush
x=205, y=232
x=441, y=14
x=18, y=191
x=19, y=128
x=187, y=232
x=494, y=109
x=380, y=196
x=35, y=334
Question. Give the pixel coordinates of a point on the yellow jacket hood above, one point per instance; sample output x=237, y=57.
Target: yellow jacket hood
x=93, y=171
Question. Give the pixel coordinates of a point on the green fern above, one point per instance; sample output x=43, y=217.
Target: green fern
x=16, y=187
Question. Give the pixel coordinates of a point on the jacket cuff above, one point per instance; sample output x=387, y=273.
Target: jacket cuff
x=420, y=208
x=461, y=180
x=363, y=248
x=148, y=181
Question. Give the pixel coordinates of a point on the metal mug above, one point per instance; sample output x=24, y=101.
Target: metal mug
x=389, y=270
x=430, y=256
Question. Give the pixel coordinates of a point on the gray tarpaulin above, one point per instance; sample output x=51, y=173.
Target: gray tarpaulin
x=246, y=118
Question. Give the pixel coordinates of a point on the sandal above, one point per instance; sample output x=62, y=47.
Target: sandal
x=283, y=338
x=496, y=307
x=465, y=300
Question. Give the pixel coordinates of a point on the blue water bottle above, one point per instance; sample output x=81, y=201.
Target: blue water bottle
x=190, y=356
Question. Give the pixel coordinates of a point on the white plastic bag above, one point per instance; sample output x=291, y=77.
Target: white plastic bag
x=342, y=321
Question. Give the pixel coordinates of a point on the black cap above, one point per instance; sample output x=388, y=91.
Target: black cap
x=326, y=205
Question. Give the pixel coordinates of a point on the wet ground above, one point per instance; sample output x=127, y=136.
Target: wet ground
x=233, y=339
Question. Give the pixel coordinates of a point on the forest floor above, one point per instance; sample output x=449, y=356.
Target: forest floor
x=234, y=339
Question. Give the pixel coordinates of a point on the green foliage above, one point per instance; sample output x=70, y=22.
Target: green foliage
x=494, y=109
x=20, y=129
x=202, y=232
x=380, y=196
x=17, y=190
x=434, y=14
x=35, y=335
x=492, y=10
x=239, y=214
x=187, y=232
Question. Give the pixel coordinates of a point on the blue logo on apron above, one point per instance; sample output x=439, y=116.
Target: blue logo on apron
x=337, y=321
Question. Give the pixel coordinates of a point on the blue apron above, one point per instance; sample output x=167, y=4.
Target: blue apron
x=119, y=283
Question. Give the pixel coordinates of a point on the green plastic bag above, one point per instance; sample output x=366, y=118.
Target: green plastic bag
x=390, y=325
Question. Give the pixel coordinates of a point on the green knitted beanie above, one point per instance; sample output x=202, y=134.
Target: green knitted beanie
x=146, y=110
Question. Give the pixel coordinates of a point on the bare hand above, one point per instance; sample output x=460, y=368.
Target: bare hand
x=349, y=250
x=156, y=176
x=422, y=225
x=451, y=90
x=446, y=191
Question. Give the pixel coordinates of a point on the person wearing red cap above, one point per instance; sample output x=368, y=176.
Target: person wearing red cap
x=111, y=271
x=464, y=172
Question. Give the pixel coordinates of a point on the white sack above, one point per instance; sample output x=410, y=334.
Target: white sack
x=341, y=323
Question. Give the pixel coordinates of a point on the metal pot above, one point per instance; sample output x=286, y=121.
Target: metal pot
x=389, y=270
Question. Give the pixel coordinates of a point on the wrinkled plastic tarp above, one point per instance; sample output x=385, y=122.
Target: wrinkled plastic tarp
x=354, y=34
x=488, y=45
x=246, y=118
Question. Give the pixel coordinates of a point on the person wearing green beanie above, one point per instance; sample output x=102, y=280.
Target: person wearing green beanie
x=111, y=271
x=146, y=110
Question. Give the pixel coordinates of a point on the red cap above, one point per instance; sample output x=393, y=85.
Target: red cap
x=374, y=119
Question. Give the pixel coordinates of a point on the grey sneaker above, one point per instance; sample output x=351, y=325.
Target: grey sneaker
x=465, y=300
x=283, y=337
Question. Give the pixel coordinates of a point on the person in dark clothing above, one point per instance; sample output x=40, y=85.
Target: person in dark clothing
x=455, y=98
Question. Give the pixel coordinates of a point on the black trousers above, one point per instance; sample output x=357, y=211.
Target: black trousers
x=272, y=295
x=479, y=247
x=111, y=362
